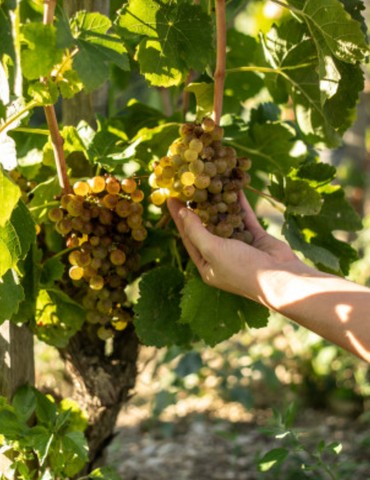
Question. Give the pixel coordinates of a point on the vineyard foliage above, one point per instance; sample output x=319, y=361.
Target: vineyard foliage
x=289, y=92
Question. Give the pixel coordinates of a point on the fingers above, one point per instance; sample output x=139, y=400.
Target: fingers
x=193, y=233
x=250, y=219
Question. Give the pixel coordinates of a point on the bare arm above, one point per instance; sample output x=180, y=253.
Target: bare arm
x=270, y=273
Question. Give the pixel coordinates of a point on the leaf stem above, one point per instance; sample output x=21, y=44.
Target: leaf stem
x=220, y=60
x=44, y=205
x=32, y=104
x=35, y=131
x=51, y=118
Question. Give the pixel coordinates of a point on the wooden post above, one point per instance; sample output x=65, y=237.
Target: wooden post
x=17, y=365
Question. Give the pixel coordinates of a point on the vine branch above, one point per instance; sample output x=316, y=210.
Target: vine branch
x=220, y=59
x=51, y=118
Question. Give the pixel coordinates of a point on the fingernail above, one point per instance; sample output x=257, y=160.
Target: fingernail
x=183, y=213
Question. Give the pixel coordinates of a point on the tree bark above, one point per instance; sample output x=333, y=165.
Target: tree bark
x=102, y=382
x=17, y=365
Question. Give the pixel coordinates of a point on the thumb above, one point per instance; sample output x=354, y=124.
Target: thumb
x=195, y=231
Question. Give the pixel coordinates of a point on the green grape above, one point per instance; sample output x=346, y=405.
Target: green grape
x=55, y=214
x=123, y=208
x=202, y=180
x=137, y=196
x=96, y=282
x=112, y=185
x=96, y=184
x=81, y=188
x=75, y=272
x=139, y=234
x=196, y=167
x=190, y=155
x=128, y=185
x=117, y=257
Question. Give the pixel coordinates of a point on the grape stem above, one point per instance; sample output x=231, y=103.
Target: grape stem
x=51, y=118
x=219, y=74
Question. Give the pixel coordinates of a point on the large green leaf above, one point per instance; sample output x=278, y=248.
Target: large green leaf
x=291, y=52
x=9, y=196
x=336, y=28
x=16, y=237
x=11, y=294
x=178, y=38
x=215, y=315
x=157, y=312
x=97, y=48
x=40, y=52
x=271, y=146
x=57, y=318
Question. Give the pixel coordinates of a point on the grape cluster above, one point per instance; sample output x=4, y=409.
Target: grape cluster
x=102, y=221
x=207, y=175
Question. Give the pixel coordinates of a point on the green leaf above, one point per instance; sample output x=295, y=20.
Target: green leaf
x=57, y=318
x=11, y=295
x=43, y=194
x=30, y=283
x=301, y=198
x=172, y=29
x=292, y=54
x=150, y=142
x=336, y=214
x=78, y=419
x=46, y=410
x=272, y=458
x=16, y=238
x=300, y=241
x=11, y=427
x=24, y=402
x=153, y=64
x=44, y=93
x=9, y=196
x=52, y=270
x=105, y=473
x=204, y=98
x=341, y=34
x=271, y=146
x=40, y=53
x=75, y=450
x=225, y=313
x=157, y=311
x=97, y=48
x=41, y=439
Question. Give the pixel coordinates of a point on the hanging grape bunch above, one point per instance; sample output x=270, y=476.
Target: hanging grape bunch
x=207, y=175
x=102, y=222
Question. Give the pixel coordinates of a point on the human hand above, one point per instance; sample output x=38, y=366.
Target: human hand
x=230, y=264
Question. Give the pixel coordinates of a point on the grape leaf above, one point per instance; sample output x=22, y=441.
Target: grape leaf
x=97, y=48
x=52, y=270
x=172, y=29
x=39, y=53
x=30, y=283
x=215, y=315
x=43, y=194
x=301, y=198
x=157, y=311
x=16, y=237
x=204, y=98
x=57, y=317
x=9, y=196
x=299, y=241
x=271, y=146
x=11, y=294
x=341, y=34
x=152, y=141
x=285, y=47
x=336, y=214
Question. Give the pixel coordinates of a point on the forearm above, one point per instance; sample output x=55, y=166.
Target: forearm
x=330, y=306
